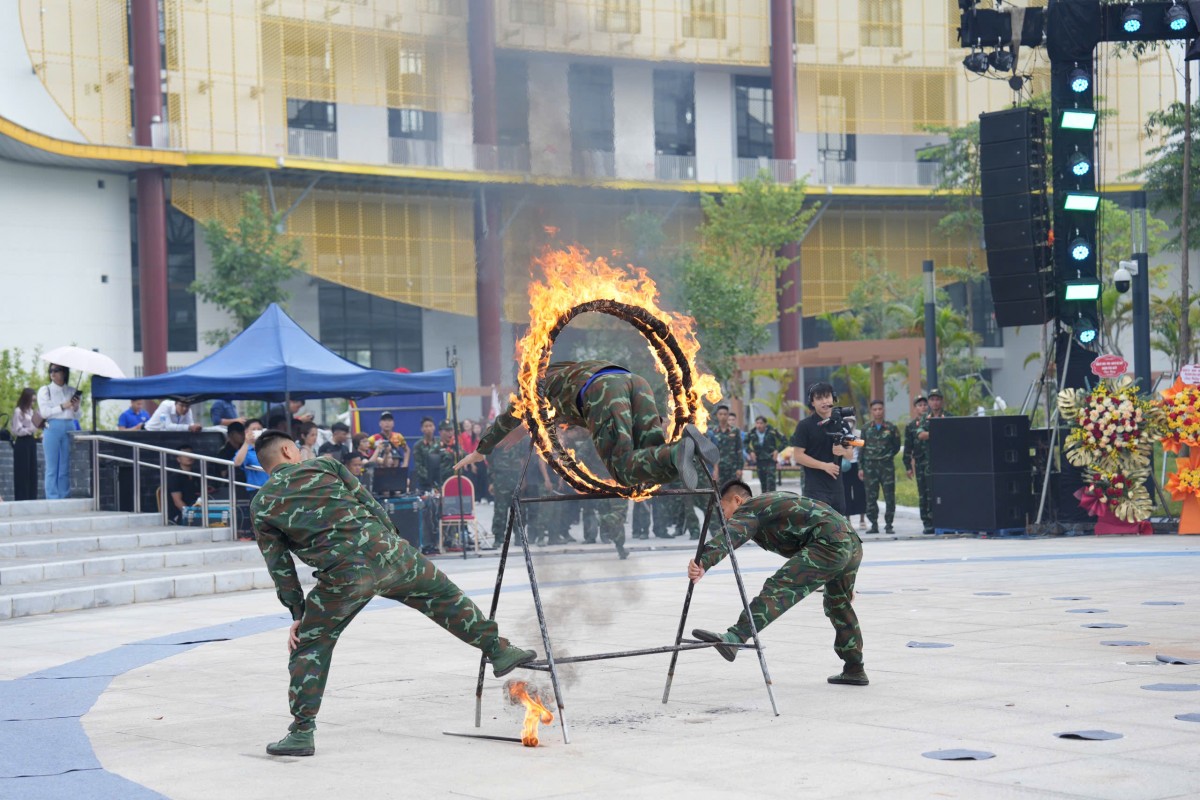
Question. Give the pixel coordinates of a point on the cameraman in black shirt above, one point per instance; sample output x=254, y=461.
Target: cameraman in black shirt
x=815, y=450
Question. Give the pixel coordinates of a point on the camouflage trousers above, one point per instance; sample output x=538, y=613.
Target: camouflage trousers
x=726, y=471
x=833, y=565
x=502, y=497
x=768, y=475
x=606, y=517
x=921, y=471
x=623, y=420
x=328, y=609
x=641, y=520
x=880, y=475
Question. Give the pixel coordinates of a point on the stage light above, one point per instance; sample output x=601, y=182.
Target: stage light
x=1131, y=20
x=1081, y=289
x=1078, y=119
x=1177, y=18
x=1081, y=201
x=1080, y=249
x=976, y=61
x=1080, y=165
x=1001, y=60
x=1081, y=79
x=1085, y=330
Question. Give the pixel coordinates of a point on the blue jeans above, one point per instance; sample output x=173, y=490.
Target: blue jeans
x=56, y=446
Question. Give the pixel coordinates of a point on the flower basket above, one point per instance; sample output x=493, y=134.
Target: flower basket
x=1105, y=493
x=1184, y=484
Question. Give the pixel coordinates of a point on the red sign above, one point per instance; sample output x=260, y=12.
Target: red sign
x=1109, y=366
x=1190, y=374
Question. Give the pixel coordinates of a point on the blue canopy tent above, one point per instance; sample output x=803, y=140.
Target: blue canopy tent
x=274, y=360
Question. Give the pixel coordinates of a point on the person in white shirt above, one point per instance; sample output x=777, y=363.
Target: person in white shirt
x=175, y=416
x=58, y=403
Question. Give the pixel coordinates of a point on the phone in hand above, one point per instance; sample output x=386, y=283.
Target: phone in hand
x=78, y=395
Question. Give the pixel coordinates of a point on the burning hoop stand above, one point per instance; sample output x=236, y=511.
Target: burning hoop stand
x=679, y=379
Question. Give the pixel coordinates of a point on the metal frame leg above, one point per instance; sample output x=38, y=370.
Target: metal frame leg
x=508, y=528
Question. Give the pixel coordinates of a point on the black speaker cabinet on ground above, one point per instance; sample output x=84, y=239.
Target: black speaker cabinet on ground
x=982, y=502
x=979, y=444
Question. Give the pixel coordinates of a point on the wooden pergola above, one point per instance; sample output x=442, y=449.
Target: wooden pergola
x=875, y=352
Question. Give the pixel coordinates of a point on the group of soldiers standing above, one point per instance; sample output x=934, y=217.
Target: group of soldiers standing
x=881, y=443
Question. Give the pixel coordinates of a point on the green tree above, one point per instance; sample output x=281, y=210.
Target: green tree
x=250, y=263
x=729, y=280
x=1166, y=318
x=1116, y=309
x=774, y=405
x=15, y=376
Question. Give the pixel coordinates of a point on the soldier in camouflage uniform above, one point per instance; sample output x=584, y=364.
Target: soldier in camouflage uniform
x=617, y=408
x=641, y=520
x=916, y=457
x=319, y=511
x=764, y=444
x=822, y=550
x=606, y=517
x=730, y=445
x=426, y=453
x=877, y=467
x=505, y=465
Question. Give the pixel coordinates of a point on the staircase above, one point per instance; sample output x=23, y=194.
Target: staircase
x=60, y=555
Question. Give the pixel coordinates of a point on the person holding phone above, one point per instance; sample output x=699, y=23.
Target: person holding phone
x=58, y=404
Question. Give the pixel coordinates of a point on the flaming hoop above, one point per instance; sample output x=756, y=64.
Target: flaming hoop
x=576, y=284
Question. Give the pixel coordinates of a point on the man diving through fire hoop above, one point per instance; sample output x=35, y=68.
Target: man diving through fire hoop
x=617, y=408
x=319, y=511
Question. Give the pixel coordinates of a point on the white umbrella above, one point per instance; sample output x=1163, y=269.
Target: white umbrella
x=81, y=360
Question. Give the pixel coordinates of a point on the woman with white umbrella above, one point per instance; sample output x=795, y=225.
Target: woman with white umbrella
x=58, y=403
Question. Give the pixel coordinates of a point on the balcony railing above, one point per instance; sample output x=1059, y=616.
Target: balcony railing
x=878, y=173
x=780, y=170
x=316, y=144
x=502, y=158
x=414, y=152
x=674, y=168
x=594, y=163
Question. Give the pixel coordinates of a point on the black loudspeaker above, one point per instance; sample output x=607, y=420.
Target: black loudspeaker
x=991, y=445
x=1010, y=288
x=1021, y=312
x=981, y=502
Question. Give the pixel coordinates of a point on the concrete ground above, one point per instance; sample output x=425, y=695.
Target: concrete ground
x=178, y=698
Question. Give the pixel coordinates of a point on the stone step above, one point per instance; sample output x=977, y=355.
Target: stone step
x=50, y=523
x=75, y=544
x=25, y=571
x=25, y=508
x=138, y=586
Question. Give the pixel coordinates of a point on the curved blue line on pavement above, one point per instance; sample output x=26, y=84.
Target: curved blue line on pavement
x=45, y=753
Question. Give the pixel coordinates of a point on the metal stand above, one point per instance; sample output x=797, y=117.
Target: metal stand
x=516, y=522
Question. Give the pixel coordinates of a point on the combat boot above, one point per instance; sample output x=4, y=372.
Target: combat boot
x=889, y=528
x=874, y=528
x=684, y=457
x=727, y=653
x=705, y=448
x=508, y=658
x=858, y=678
x=296, y=743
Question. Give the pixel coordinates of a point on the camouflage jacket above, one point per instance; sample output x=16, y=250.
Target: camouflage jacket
x=729, y=443
x=880, y=442
x=764, y=451
x=319, y=511
x=561, y=387
x=431, y=465
x=505, y=465
x=780, y=522
x=919, y=450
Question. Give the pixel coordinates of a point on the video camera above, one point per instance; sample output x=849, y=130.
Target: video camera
x=840, y=426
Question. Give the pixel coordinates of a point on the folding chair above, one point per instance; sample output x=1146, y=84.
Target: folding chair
x=458, y=511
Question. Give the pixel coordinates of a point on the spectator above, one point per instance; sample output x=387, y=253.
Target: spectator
x=815, y=451
x=135, y=417
x=182, y=490
x=224, y=413
x=235, y=437
x=307, y=440
x=58, y=404
x=467, y=440
x=247, y=458
x=365, y=448
x=391, y=472
x=354, y=463
x=176, y=416
x=295, y=408
x=426, y=458
x=336, y=446
x=25, y=480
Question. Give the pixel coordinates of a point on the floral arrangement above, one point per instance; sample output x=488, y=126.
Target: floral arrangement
x=1181, y=411
x=1113, y=431
x=1185, y=482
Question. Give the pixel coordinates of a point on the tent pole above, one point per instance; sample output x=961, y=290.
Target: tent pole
x=287, y=411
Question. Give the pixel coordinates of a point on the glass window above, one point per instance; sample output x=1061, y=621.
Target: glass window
x=512, y=101
x=370, y=330
x=706, y=20
x=412, y=123
x=312, y=115
x=755, y=130
x=531, y=12
x=181, y=271
x=806, y=22
x=880, y=23
x=590, y=88
x=619, y=16
x=674, y=113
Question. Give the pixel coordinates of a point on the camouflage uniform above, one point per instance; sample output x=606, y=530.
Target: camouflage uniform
x=319, y=511
x=729, y=444
x=425, y=475
x=916, y=458
x=764, y=453
x=619, y=412
x=877, y=461
x=821, y=549
x=641, y=520
x=505, y=465
x=604, y=517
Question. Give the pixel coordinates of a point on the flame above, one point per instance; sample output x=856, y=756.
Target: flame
x=535, y=711
x=573, y=277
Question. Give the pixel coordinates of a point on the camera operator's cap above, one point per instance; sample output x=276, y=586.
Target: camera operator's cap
x=446, y=425
x=935, y=392
x=385, y=415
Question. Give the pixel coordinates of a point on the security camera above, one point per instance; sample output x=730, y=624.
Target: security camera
x=1123, y=277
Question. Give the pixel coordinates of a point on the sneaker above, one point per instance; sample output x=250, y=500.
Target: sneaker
x=509, y=659
x=704, y=446
x=849, y=679
x=727, y=653
x=685, y=462
x=296, y=743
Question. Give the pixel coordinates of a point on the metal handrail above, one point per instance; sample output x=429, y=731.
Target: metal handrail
x=163, y=469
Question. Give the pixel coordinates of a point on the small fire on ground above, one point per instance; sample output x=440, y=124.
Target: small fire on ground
x=522, y=693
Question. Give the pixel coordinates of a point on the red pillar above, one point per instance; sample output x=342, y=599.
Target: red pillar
x=151, y=192
x=489, y=252
x=783, y=109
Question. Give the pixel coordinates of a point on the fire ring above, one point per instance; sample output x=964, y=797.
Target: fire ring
x=680, y=386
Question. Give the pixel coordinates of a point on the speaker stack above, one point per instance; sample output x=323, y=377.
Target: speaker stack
x=1016, y=214
x=981, y=478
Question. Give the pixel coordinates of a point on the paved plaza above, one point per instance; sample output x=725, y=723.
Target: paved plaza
x=178, y=698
